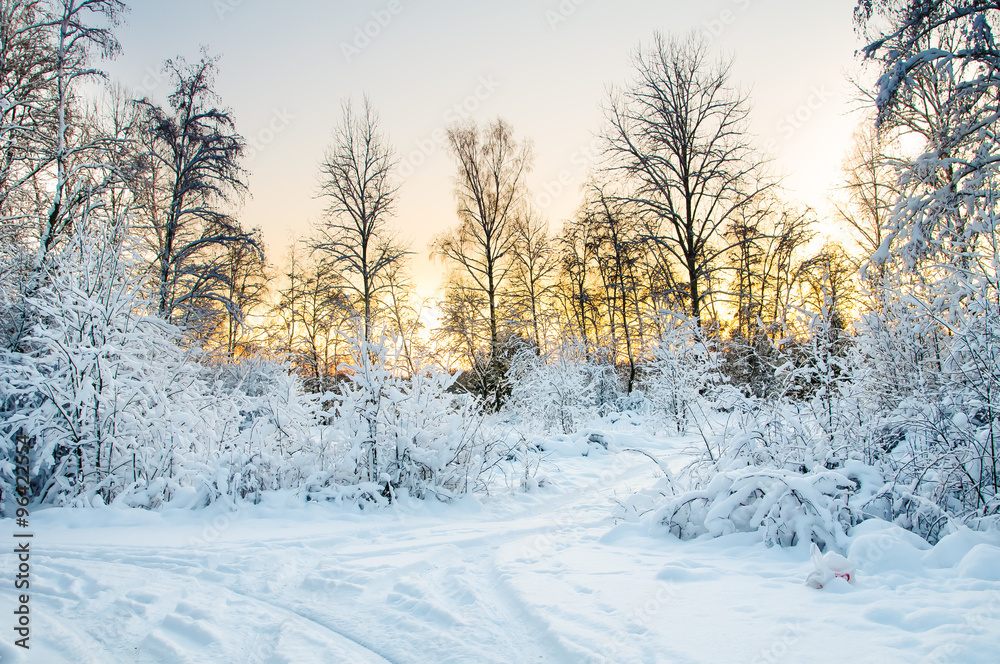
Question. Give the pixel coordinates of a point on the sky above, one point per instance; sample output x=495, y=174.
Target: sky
x=545, y=66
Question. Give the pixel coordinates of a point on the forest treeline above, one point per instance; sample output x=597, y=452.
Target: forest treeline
x=681, y=218
x=151, y=350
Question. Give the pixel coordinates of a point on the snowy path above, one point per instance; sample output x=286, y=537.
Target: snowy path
x=539, y=577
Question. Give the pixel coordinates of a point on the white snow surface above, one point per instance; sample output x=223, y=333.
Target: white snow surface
x=514, y=577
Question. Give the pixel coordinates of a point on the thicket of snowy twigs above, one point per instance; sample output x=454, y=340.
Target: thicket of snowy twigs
x=895, y=420
x=119, y=408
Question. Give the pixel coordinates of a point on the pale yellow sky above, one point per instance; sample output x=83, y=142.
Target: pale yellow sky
x=543, y=66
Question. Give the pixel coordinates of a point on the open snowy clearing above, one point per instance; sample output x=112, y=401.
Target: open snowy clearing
x=544, y=576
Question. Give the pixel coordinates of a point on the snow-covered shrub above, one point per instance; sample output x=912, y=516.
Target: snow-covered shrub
x=786, y=507
x=751, y=363
x=938, y=459
x=96, y=386
x=116, y=407
x=821, y=374
x=897, y=354
x=767, y=468
x=938, y=266
x=263, y=430
x=681, y=369
x=563, y=390
x=923, y=400
x=394, y=434
x=789, y=465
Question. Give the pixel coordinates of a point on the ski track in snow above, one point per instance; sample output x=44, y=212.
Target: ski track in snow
x=545, y=576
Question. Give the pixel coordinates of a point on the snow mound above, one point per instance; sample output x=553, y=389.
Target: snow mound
x=880, y=547
x=982, y=562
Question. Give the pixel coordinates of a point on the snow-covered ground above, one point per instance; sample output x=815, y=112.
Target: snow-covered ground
x=543, y=576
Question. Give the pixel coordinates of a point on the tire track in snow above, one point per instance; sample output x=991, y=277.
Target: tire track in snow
x=398, y=580
x=300, y=615
x=174, y=629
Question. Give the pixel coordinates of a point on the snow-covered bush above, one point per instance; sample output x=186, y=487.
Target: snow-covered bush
x=751, y=363
x=96, y=385
x=394, y=434
x=923, y=400
x=770, y=471
x=262, y=432
x=562, y=391
x=784, y=506
x=932, y=335
x=116, y=407
x=681, y=370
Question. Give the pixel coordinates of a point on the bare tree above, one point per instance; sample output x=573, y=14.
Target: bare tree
x=27, y=118
x=45, y=49
x=869, y=189
x=574, y=290
x=462, y=335
x=404, y=315
x=53, y=166
x=312, y=308
x=618, y=249
x=490, y=189
x=193, y=172
x=677, y=138
x=536, y=265
x=354, y=237
x=247, y=286
x=833, y=289
x=769, y=266
x=75, y=39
